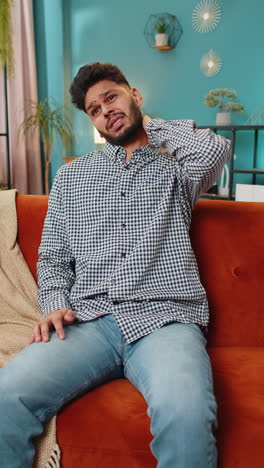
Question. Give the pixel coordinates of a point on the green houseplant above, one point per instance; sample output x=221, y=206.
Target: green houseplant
x=6, y=45
x=161, y=37
x=51, y=120
x=217, y=98
x=7, y=63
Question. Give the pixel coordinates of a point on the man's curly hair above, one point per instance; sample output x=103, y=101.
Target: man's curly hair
x=90, y=74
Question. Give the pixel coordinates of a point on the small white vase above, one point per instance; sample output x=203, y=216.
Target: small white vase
x=161, y=39
x=223, y=118
x=223, y=188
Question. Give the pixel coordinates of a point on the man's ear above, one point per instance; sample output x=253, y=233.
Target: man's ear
x=137, y=96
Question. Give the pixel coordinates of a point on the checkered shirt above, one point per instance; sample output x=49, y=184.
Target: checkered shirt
x=116, y=235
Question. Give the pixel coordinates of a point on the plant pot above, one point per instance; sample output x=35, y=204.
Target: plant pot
x=223, y=118
x=161, y=39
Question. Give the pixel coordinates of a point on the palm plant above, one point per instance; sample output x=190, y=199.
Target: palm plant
x=51, y=120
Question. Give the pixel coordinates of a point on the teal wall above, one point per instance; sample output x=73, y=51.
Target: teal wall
x=48, y=19
x=71, y=33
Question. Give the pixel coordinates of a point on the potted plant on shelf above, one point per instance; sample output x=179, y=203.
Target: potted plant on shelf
x=216, y=98
x=161, y=37
x=51, y=120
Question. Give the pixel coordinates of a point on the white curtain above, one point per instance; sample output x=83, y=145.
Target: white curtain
x=25, y=160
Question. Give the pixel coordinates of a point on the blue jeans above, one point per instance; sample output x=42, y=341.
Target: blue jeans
x=170, y=367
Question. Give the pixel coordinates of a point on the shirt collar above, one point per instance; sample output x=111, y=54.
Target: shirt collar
x=145, y=152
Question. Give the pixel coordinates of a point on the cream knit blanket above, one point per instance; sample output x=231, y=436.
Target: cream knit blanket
x=18, y=313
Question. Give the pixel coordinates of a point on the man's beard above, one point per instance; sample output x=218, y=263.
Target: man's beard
x=130, y=132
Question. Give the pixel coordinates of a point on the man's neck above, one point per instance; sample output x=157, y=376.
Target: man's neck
x=140, y=140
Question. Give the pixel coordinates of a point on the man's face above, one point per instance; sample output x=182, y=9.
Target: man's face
x=114, y=110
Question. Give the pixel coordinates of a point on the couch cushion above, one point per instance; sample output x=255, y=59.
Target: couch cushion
x=239, y=387
x=109, y=426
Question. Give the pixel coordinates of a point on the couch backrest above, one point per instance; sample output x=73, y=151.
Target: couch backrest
x=227, y=238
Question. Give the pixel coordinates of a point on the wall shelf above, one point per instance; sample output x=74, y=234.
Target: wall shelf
x=69, y=159
x=254, y=170
x=162, y=23
x=213, y=196
x=249, y=171
x=162, y=47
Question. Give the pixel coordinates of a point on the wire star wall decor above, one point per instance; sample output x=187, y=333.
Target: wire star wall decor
x=211, y=63
x=206, y=16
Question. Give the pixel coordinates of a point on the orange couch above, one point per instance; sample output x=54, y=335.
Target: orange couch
x=109, y=427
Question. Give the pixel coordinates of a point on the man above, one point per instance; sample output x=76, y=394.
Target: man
x=116, y=265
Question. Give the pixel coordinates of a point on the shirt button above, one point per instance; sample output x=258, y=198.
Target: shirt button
x=113, y=281
x=123, y=254
x=123, y=194
x=124, y=225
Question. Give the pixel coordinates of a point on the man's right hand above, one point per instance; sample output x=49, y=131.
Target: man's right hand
x=55, y=319
x=145, y=120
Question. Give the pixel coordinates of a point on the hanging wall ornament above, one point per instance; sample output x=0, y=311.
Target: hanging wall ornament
x=206, y=16
x=211, y=63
